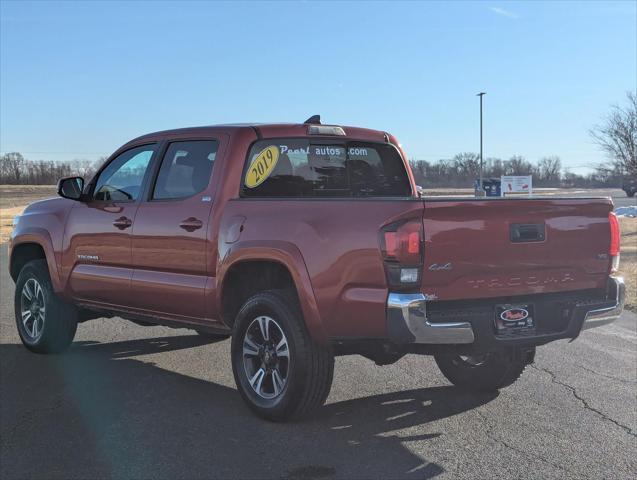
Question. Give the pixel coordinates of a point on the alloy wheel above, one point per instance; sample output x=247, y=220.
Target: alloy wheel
x=32, y=308
x=266, y=357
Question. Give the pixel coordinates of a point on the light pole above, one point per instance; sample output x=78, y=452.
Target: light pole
x=481, y=190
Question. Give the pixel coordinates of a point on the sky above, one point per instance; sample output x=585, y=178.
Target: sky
x=79, y=79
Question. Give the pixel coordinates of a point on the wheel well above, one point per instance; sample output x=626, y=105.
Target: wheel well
x=23, y=254
x=247, y=278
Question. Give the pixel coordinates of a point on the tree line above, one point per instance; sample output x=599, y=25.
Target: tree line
x=17, y=170
x=460, y=171
x=464, y=168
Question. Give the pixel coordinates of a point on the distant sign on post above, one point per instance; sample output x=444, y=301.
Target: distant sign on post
x=517, y=184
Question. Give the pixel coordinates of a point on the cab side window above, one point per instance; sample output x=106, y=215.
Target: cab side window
x=186, y=169
x=122, y=179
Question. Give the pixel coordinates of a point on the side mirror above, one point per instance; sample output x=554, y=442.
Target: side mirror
x=71, y=187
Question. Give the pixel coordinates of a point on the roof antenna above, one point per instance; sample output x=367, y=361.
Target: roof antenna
x=314, y=119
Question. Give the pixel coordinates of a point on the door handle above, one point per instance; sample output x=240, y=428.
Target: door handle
x=191, y=224
x=123, y=223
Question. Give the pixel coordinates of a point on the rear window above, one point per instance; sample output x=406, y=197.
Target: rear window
x=305, y=168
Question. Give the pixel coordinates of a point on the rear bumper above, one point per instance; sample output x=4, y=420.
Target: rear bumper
x=407, y=322
x=602, y=316
x=411, y=319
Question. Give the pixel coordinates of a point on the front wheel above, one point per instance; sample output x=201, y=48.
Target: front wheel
x=630, y=193
x=46, y=324
x=281, y=373
x=486, y=372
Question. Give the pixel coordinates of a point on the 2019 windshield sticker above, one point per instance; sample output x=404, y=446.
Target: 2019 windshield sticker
x=262, y=166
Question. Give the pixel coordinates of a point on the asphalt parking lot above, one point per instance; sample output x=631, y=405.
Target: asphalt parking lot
x=135, y=402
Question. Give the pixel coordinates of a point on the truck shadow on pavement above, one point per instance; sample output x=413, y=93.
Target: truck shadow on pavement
x=95, y=412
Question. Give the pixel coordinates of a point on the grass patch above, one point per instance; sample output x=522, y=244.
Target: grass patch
x=628, y=263
x=6, y=221
x=21, y=195
x=14, y=199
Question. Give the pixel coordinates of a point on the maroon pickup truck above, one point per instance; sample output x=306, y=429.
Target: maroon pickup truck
x=307, y=241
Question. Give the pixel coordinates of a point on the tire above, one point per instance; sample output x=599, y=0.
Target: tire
x=50, y=323
x=487, y=372
x=630, y=193
x=304, y=368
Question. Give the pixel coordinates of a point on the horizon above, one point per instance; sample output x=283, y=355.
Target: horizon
x=77, y=80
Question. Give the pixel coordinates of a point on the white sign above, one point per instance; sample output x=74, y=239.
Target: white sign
x=514, y=184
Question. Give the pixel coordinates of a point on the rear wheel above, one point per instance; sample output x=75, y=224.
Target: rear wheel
x=46, y=324
x=280, y=372
x=485, y=372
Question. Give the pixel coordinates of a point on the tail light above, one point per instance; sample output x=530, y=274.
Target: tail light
x=401, y=245
x=613, y=251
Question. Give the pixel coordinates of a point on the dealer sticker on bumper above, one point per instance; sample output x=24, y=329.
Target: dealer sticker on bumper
x=513, y=319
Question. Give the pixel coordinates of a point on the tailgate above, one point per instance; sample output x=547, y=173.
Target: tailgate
x=501, y=247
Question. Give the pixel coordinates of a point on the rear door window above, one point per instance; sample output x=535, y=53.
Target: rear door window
x=300, y=168
x=186, y=169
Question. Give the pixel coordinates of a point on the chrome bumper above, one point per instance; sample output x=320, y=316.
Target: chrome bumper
x=407, y=322
x=603, y=316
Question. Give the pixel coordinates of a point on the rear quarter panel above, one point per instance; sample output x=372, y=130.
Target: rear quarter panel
x=332, y=244
x=338, y=244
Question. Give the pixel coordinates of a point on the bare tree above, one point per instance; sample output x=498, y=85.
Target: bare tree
x=617, y=136
x=517, y=165
x=12, y=166
x=467, y=164
x=419, y=170
x=550, y=170
x=494, y=167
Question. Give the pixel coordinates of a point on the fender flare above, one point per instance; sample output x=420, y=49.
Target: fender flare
x=289, y=256
x=41, y=237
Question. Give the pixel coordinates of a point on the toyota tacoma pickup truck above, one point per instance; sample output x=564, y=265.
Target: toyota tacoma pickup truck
x=307, y=241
